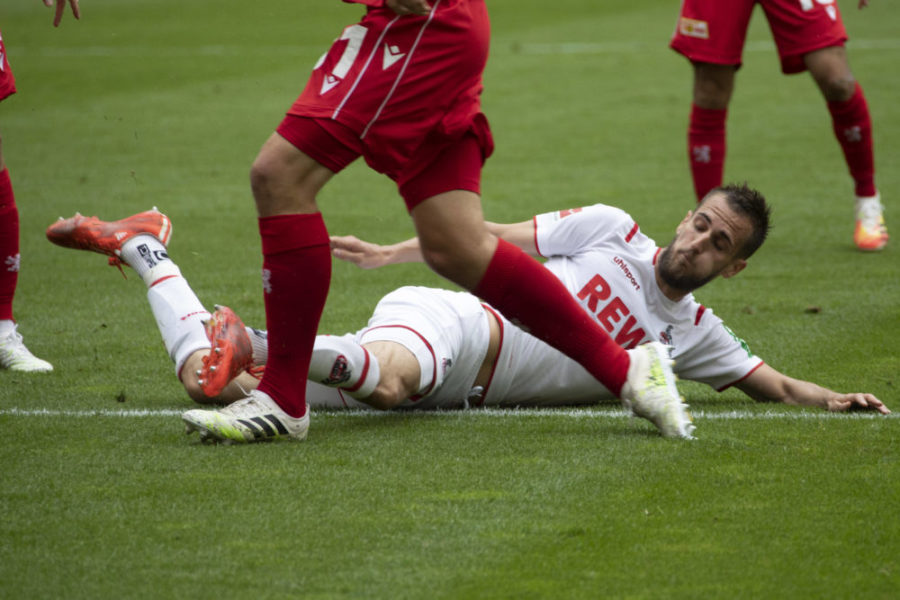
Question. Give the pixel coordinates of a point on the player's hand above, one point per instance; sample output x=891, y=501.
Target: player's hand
x=61, y=7
x=364, y=255
x=863, y=4
x=842, y=402
x=409, y=7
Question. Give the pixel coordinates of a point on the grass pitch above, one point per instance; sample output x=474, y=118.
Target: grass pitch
x=166, y=103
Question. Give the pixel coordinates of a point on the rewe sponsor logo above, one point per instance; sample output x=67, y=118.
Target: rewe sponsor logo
x=611, y=312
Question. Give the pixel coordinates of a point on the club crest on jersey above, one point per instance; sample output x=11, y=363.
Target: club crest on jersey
x=693, y=28
x=666, y=336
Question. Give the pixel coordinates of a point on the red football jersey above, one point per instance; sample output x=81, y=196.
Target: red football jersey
x=395, y=80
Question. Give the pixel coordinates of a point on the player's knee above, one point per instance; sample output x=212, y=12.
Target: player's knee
x=463, y=265
x=838, y=88
x=713, y=86
x=441, y=261
x=263, y=174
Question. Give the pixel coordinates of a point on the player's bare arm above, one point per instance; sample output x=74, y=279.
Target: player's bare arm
x=61, y=8
x=520, y=234
x=768, y=385
x=367, y=255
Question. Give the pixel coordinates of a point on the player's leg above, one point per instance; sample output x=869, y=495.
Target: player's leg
x=811, y=36
x=296, y=264
x=141, y=241
x=712, y=90
x=291, y=168
x=296, y=275
x=711, y=35
x=455, y=242
x=238, y=387
x=13, y=353
x=381, y=373
x=852, y=127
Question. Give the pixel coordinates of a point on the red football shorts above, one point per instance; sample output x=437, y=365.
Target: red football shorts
x=7, y=81
x=445, y=166
x=402, y=92
x=714, y=31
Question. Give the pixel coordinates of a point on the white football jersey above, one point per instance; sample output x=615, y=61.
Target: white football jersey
x=602, y=257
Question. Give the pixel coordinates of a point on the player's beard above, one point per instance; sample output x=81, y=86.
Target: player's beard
x=683, y=282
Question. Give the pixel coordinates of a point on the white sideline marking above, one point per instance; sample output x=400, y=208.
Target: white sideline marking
x=546, y=413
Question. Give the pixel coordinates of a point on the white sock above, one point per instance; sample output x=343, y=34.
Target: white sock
x=259, y=341
x=7, y=326
x=179, y=314
x=338, y=361
x=143, y=253
x=322, y=396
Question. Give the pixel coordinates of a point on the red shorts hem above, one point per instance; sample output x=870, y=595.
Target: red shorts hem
x=327, y=142
x=440, y=164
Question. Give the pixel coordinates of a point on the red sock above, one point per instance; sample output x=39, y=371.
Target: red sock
x=524, y=291
x=9, y=245
x=706, y=148
x=296, y=276
x=853, y=128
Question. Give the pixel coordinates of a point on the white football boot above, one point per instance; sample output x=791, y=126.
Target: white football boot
x=16, y=357
x=650, y=391
x=256, y=418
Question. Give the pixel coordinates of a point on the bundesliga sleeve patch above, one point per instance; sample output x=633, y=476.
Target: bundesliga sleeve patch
x=693, y=28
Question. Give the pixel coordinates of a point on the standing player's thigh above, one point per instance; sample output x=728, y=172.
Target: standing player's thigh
x=712, y=31
x=801, y=26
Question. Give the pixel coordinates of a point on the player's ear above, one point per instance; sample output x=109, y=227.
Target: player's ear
x=735, y=267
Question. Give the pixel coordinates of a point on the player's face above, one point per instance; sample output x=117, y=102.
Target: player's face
x=705, y=246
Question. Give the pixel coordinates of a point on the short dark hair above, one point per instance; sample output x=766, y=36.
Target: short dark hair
x=751, y=204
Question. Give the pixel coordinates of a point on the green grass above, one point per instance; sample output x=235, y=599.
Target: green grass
x=166, y=103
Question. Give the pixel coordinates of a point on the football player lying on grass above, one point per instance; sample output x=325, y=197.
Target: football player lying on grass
x=432, y=348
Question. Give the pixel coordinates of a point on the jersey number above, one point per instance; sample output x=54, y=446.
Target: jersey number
x=355, y=34
x=810, y=4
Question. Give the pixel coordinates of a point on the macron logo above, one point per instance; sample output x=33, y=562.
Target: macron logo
x=391, y=55
x=330, y=82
